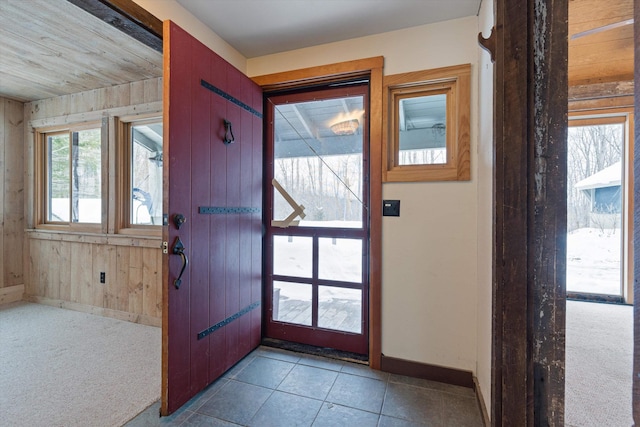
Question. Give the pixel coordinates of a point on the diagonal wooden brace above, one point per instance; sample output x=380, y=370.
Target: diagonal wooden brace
x=298, y=210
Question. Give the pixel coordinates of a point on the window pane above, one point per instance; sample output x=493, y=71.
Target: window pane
x=146, y=174
x=292, y=256
x=58, y=173
x=422, y=130
x=86, y=196
x=340, y=259
x=594, y=208
x=340, y=309
x=292, y=302
x=318, y=161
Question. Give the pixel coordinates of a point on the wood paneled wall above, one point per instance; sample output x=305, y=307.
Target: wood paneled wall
x=11, y=200
x=63, y=268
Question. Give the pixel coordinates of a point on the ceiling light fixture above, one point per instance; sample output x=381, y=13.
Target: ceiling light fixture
x=346, y=127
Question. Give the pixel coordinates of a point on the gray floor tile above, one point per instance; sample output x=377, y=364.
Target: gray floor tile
x=460, y=411
x=434, y=385
x=205, y=394
x=284, y=409
x=200, y=420
x=276, y=353
x=265, y=372
x=308, y=381
x=235, y=402
x=355, y=396
x=340, y=416
x=364, y=371
x=386, y=421
x=150, y=417
x=321, y=362
x=415, y=404
x=238, y=367
x=357, y=392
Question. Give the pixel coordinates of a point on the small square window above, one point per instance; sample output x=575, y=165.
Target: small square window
x=427, y=127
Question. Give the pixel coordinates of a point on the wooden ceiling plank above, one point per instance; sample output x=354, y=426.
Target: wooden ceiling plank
x=78, y=33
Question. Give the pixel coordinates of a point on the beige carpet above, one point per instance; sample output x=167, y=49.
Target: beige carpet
x=63, y=368
x=598, y=365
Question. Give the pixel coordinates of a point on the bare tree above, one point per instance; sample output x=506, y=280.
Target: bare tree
x=590, y=149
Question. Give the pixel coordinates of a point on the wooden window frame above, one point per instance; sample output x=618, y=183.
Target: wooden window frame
x=371, y=67
x=123, y=176
x=41, y=183
x=453, y=81
x=619, y=115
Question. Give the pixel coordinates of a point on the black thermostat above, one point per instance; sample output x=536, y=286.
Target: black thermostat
x=391, y=208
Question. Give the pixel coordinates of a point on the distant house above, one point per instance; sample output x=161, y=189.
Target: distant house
x=603, y=189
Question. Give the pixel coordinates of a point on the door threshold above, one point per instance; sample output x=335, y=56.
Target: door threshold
x=317, y=351
x=601, y=298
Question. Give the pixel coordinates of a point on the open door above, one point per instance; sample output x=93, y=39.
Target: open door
x=211, y=270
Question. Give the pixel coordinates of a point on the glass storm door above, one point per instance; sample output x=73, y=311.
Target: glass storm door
x=316, y=247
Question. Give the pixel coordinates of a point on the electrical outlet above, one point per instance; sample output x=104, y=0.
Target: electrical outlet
x=102, y=277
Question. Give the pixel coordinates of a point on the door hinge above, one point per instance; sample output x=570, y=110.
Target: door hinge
x=165, y=247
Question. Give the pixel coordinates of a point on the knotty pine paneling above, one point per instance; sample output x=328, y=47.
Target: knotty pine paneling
x=11, y=197
x=63, y=269
x=69, y=272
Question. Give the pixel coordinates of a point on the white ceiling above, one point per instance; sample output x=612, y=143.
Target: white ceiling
x=262, y=27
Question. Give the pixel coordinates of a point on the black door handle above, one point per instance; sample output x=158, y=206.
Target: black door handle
x=178, y=249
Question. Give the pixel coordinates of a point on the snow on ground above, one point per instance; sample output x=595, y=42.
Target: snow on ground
x=593, y=261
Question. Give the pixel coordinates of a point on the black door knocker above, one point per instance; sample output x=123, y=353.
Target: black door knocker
x=228, y=132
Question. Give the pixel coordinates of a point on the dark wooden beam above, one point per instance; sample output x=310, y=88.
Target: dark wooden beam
x=548, y=211
x=511, y=396
x=601, y=90
x=530, y=212
x=128, y=17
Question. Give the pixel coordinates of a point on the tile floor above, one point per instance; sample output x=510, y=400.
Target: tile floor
x=272, y=387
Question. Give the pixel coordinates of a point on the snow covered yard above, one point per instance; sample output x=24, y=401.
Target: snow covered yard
x=593, y=261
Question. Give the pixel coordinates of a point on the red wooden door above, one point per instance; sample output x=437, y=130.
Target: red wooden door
x=211, y=315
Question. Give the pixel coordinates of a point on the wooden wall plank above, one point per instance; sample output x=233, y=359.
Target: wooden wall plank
x=81, y=265
x=13, y=210
x=4, y=111
x=151, y=286
x=135, y=280
x=104, y=261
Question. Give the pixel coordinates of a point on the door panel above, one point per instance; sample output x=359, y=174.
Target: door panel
x=213, y=319
x=317, y=219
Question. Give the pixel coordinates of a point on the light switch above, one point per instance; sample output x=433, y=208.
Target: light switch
x=391, y=208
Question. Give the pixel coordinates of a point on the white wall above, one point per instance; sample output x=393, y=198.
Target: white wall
x=431, y=252
x=485, y=206
x=429, y=269
x=171, y=9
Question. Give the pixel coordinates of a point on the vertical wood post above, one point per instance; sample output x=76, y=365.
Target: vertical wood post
x=530, y=212
x=548, y=216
